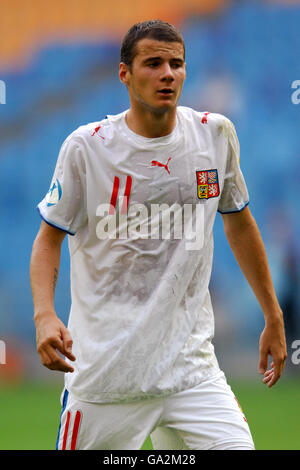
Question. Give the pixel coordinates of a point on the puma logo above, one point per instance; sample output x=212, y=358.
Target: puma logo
x=97, y=129
x=163, y=165
x=204, y=119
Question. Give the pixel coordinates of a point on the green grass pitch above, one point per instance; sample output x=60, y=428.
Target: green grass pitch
x=30, y=414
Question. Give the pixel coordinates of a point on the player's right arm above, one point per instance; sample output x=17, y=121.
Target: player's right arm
x=52, y=336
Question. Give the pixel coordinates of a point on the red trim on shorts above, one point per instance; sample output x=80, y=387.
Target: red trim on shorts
x=66, y=431
x=75, y=430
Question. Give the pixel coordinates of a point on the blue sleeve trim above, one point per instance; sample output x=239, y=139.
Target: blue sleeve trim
x=54, y=224
x=235, y=210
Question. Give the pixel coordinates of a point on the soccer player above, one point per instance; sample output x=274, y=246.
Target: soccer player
x=138, y=193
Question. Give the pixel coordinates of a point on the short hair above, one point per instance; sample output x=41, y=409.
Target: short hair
x=154, y=29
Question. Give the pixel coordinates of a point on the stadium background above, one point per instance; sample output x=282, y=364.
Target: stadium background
x=59, y=62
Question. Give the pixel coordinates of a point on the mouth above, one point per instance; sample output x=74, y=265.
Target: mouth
x=166, y=92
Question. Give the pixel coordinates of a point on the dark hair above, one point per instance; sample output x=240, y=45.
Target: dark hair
x=154, y=29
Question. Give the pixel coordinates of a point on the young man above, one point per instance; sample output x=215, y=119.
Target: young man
x=138, y=193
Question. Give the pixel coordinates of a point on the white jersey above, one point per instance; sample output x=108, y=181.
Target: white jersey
x=141, y=213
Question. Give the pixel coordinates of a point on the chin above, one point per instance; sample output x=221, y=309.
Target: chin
x=155, y=106
x=163, y=108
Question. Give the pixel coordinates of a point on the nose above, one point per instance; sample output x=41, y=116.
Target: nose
x=167, y=72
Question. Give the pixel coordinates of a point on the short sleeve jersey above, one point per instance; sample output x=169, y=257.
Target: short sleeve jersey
x=140, y=214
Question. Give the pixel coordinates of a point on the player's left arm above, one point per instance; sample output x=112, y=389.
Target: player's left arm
x=246, y=243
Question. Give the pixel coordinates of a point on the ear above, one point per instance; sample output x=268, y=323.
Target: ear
x=124, y=73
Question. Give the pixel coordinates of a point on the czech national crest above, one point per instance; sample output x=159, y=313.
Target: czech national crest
x=207, y=184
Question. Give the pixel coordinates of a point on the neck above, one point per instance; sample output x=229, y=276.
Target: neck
x=150, y=124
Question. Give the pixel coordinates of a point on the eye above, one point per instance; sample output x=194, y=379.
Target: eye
x=153, y=64
x=176, y=65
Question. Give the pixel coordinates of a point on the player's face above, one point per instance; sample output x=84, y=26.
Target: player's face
x=157, y=74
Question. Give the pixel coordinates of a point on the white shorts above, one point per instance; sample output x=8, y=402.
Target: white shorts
x=206, y=417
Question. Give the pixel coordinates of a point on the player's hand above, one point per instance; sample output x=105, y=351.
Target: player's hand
x=53, y=337
x=272, y=342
